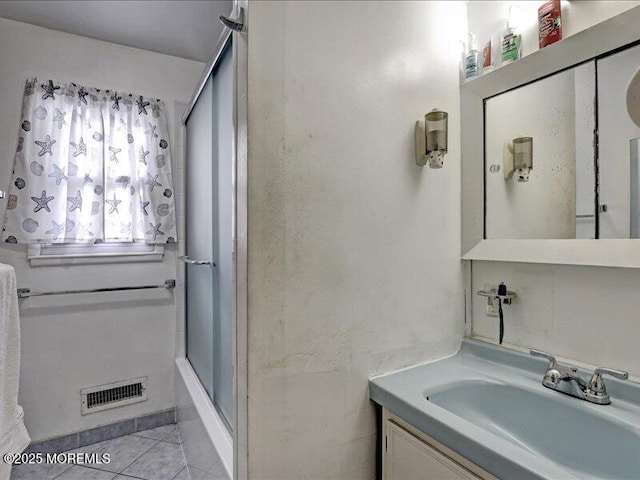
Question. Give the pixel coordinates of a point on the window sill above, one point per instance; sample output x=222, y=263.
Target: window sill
x=47, y=255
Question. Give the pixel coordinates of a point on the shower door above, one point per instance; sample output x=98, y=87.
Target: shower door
x=209, y=195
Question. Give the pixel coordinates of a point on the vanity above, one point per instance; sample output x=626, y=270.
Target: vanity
x=494, y=412
x=484, y=413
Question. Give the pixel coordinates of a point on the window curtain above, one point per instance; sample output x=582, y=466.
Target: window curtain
x=90, y=166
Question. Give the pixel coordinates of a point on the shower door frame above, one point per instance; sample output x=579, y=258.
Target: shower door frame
x=239, y=47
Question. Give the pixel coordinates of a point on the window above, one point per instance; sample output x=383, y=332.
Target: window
x=92, y=170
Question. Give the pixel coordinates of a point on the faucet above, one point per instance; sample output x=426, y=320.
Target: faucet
x=566, y=380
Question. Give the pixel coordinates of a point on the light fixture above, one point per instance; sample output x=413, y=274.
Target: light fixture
x=431, y=139
x=517, y=159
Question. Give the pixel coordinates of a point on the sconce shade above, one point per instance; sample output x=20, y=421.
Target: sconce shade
x=436, y=131
x=523, y=152
x=431, y=139
x=523, y=157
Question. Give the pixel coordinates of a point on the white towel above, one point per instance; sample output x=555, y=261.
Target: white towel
x=13, y=434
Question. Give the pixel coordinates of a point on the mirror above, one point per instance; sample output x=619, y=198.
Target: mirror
x=540, y=159
x=619, y=126
x=558, y=199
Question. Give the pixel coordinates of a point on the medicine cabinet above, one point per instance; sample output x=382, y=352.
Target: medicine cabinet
x=574, y=103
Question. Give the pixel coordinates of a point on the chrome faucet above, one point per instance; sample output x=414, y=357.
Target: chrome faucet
x=566, y=380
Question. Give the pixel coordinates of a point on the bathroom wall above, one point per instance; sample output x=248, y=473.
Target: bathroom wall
x=354, y=263
x=586, y=314
x=72, y=342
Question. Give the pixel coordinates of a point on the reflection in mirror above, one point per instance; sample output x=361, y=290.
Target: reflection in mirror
x=619, y=125
x=553, y=195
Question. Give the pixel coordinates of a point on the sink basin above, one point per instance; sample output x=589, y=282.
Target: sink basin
x=548, y=425
x=487, y=404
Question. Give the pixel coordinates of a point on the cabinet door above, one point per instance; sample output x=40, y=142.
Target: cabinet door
x=406, y=457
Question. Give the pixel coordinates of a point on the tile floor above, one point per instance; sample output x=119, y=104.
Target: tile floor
x=154, y=454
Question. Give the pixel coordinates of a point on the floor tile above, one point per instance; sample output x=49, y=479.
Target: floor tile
x=215, y=476
x=55, y=445
x=83, y=473
x=162, y=462
x=194, y=473
x=186, y=427
x=142, y=455
x=184, y=475
x=217, y=472
x=123, y=451
x=158, y=433
x=38, y=472
x=198, y=449
x=87, y=448
x=173, y=437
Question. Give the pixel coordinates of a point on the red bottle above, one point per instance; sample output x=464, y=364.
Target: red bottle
x=549, y=23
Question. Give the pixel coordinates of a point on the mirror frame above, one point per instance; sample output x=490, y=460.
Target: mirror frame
x=616, y=33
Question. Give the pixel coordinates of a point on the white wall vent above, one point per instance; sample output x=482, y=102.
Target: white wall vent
x=112, y=395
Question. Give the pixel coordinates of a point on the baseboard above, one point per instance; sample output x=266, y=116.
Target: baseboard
x=104, y=432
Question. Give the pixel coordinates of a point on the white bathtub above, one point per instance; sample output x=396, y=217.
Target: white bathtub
x=206, y=441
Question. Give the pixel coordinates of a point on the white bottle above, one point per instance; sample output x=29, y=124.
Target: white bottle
x=471, y=67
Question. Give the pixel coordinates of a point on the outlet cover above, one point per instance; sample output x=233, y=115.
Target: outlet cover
x=491, y=305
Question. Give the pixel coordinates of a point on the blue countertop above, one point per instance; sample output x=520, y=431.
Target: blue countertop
x=406, y=393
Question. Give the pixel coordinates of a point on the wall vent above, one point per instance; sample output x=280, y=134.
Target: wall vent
x=112, y=395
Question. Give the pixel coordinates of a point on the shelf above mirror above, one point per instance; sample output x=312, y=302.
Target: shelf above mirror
x=607, y=36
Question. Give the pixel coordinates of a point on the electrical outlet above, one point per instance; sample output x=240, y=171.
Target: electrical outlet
x=491, y=307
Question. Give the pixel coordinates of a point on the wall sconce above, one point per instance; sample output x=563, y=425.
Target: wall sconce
x=517, y=159
x=431, y=139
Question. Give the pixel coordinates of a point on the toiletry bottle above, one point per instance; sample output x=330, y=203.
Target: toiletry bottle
x=549, y=23
x=511, y=45
x=487, y=56
x=471, y=60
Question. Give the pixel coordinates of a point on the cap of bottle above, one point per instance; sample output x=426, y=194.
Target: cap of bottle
x=473, y=42
x=509, y=26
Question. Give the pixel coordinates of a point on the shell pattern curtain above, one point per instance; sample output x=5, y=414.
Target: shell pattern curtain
x=90, y=166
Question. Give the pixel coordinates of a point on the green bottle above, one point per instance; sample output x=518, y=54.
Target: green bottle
x=511, y=45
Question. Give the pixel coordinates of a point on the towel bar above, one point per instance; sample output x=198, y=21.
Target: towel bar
x=26, y=292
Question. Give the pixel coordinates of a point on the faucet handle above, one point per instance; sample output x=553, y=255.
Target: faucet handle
x=596, y=391
x=539, y=353
x=596, y=384
x=620, y=374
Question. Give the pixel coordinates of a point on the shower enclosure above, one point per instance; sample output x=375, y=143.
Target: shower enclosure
x=212, y=375
x=209, y=237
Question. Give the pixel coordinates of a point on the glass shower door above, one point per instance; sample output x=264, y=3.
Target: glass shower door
x=199, y=235
x=223, y=234
x=209, y=195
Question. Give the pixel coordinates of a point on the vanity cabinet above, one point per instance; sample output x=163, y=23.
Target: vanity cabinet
x=408, y=453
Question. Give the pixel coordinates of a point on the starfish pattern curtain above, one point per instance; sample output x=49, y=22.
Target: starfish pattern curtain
x=90, y=166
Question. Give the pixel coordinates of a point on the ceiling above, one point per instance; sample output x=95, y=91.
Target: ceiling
x=187, y=29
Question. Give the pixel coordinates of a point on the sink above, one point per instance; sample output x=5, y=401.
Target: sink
x=549, y=425
x=487, y=404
